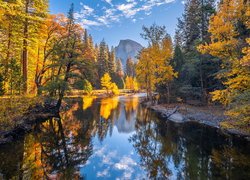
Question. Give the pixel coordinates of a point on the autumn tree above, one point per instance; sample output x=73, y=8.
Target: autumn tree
x=230, y=31
x=11, y=43
x=51, y=36
x=153, y=68
x=34, y=14
x=67, y=58
x=108, y=85
x=131, y=83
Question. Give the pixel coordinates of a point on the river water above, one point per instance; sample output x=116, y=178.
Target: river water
x=117, y=138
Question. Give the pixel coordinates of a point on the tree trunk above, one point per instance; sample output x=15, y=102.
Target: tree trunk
x=25, y=51
x=201, y=56
x=62, y=91
x=168, y=89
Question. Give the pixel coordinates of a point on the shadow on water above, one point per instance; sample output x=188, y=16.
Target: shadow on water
x=116, y=137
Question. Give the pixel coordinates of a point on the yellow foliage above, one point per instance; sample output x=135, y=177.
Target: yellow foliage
x=114, y=89
x=88, y=101
x=108, y=84
x=107, y=105
x=225, y=43
x=131, y=83
x=153, y=67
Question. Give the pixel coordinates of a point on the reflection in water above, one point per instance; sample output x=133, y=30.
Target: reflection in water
x=88, y=101
x=231, y=162
x=174, y=151
x=118, y=138
x=54, y=150
x=107, y=105
x=126, y=122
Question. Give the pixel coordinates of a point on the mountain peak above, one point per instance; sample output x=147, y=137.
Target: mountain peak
x=127, y=48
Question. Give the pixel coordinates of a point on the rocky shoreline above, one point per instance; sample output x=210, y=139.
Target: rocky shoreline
x=180, y=113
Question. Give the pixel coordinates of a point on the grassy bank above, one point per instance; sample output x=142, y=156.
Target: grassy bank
x=12, y=107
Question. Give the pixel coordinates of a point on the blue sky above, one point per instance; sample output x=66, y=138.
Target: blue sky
x=114, y=20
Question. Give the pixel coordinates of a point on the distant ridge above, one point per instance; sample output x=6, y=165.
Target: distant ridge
x=127, y=48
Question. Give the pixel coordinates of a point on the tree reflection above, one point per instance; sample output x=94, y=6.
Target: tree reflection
x=58, y=147
x=107, y=106
x=231, y=163
x=147, y=144
x=88, y=101
x=55, y=149
x=130, y=107
x=180, y=151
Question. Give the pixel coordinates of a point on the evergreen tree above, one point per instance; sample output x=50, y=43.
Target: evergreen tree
x=178, y=59
x=103, y=59
x=195, y=74
x=87, y=87
x=112, y=61
x=130, y=67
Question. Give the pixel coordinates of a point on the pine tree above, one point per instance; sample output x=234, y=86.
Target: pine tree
x=191, y=31
x=130, y=67
x=178, y=59
x=111, y=61
x=119, y=69
x=103, y=59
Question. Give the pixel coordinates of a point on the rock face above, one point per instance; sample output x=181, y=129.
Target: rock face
x=127, y=48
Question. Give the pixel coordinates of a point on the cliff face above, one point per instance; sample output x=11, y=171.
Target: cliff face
x=127, y=48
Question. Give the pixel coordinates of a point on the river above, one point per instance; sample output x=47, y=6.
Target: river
x=117, y=138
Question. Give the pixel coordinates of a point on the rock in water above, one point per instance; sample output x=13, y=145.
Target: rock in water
x=127, y=48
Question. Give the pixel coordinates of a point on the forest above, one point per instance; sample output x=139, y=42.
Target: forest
x=47, y=55
x=70, y=108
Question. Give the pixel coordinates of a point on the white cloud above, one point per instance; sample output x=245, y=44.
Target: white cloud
x=107, y=159
x=87, y=23
x=84, y=12
x=126, y=164
x=104, y=173
x=108, y=1
x=100, y=152
x=130, y=9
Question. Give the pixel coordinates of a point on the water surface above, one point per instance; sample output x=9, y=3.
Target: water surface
x=117, y=138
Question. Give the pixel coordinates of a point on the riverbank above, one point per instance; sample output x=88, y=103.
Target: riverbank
x=100, y=93
x=18, y=115
x=212, y=116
